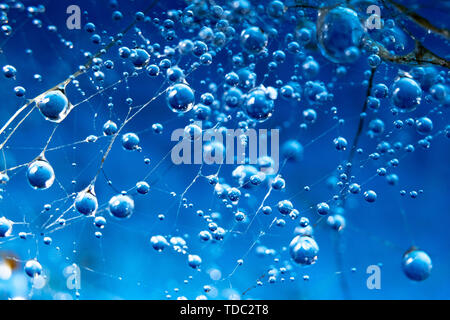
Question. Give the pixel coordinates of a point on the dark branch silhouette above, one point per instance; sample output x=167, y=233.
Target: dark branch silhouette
x=419, y=20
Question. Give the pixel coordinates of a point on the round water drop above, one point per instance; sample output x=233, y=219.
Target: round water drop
x=380, y=90
x=7, y=30
x=416, y=265
x=233, y=97
x=340, y=143
x=232, y=79
x=253, y=40
x=304, y=250
x=109, y=128
x=157, y=128
x=180, y=98
x=392, y=179
x=276, y=9
x=336, y=222
x=214, y=152
x=310, y=68
x=124, y=52
x=9, y=71
x=86, y=202
x=256, y=179
x=20, y=91
x=91, y=138
x=285, y=207
x=310, y=115
x=121, y=206
x=4, y=178
x=194, y=261
x=175, y=74
x=219, y=234
x=323, y=208
x=139, y=58
x=89, y=27
x=258, y=105
x=292, y=150
x=439, y=92
x=370, y=196
x=199, y=48
x=315, y=92
x=304, y=222
x=100, y=222
x=54, y=106
x=339, y=34
x=117, y=15
x=142, y=187
x=192, y=132
x=354, y=188
x=40, y=174
x=185, y=46
x=278, y=183
x=178, y=242
x=130, y=141
x=239, y=216
x=424, y=125
x=33, y=268
x=6, y=226
x=153, y=70
x=159, y=243
x=247, y=78
x=234, y=194
x=205, y=235
x=406, y=94
x=376, y=126
x=243, y=173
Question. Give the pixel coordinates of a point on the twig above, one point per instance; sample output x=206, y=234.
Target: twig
x=421, y=21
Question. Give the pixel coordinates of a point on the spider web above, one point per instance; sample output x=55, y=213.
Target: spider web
x=118, y=260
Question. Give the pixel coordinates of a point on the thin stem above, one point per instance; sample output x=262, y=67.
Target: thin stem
x=419, y=20
x=361, y=119
x=354, y=146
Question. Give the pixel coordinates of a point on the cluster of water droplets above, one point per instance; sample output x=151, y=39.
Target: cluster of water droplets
x=241, y=46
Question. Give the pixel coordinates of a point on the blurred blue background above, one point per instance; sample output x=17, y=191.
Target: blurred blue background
x=123, y=265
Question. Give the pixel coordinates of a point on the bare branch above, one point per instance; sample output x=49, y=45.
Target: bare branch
x=421, y=21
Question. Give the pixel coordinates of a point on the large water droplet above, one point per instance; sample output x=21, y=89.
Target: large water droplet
x=40, y=174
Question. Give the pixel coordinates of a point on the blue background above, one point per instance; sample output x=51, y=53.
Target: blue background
x=122, y=264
